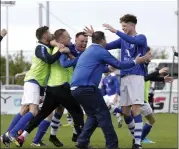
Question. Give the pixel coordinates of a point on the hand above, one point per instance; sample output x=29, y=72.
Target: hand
x=64, y=50
x=71, y=56
x=3, y=32
x=144, y=59
x=60, y=46
x=116, y=99
x=163, y=70
x=110, y=28
x=88, y=31
x=168, y=79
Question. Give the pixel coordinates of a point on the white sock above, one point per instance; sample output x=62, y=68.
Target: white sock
x=54, y=126
x=25, y=134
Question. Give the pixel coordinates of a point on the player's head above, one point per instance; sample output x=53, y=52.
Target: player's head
x=98, y=37
x=128, y=22
x=43, y=34
x=81, y=40
x=62, y=36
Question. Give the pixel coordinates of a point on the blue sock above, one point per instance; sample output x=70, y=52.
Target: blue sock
x=24, y=127
x=138, y=128
x=118, y=110
x=21, y=123
x=41, y=131
x=146, y=130
x=130, y=123
x=14, y=121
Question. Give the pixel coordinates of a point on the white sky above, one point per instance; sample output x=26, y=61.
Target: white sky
x=156, y=19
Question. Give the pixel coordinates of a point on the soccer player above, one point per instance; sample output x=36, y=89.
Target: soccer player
x=146, y=109
x=81, y=41
x=34, y=80
x=57, y=93
x=84, y=88
x=3, y=33
x=131, y=97
x=111, y=92
x=76, y=50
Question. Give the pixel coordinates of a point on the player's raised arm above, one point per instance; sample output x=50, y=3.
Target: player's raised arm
x=138, y=39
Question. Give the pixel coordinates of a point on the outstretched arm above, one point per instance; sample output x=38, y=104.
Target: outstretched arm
x=138, y=40
x=107, y=58
x=65, y=62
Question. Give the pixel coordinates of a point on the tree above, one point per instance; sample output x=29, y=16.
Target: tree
x=17, y=64
x=159, y=54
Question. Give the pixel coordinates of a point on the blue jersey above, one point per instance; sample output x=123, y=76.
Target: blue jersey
x=65, y=61
x=75, y=52
x=91, y=64
x=131, y=47
x=110, y=85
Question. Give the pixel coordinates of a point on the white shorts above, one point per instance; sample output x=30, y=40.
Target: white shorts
x=146, y=109
x=132, y=90
x=31, y=94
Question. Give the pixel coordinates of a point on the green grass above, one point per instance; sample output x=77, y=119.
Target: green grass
x=164, y=133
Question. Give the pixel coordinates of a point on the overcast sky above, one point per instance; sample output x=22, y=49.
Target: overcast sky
x=156, y=19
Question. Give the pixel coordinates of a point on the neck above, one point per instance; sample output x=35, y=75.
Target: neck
x=133, y=33
x=99, y=44
x=76, y=47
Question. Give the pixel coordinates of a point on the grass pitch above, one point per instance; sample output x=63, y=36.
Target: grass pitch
x=164, y=133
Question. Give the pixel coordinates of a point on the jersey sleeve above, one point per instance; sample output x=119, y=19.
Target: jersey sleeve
x=65, y=62
x=138, y=40
x=107, y=58
x=42, y=53
x=116, y=44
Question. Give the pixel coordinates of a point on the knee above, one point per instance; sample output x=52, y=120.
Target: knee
x=126, y=111
x=34, y=109
x=24, y=109
x=152, y=120
x=136, y=109
x=49, y=118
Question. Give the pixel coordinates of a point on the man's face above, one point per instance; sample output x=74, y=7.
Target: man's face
x=81, y=42
x=128, y=27
x=65, y=38
x=47, y=36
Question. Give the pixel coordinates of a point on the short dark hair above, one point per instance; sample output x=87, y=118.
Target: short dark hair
x=148, y=49
x=128, y=18
x=41, y=31
x=58, y=33
x=81, y=33
x=97, y=37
